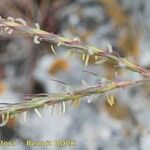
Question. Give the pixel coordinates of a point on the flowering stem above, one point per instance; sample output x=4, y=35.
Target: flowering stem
x=73, y=43
x=7, y=109
x=53, y=99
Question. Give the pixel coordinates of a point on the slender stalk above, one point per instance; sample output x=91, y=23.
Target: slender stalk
x=75, y=44
x=58, y=98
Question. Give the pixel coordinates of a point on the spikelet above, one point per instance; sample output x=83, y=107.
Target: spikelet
x=99, y=62
x=76, y=39
x=76, y=103
x=21, y=21
x=37, y=26
x=90, y=51
x=62, y=108
x=25, y=116
x=96, y=57
x=109, y=48
x=52, y=48
x=58, y=44
x=110, y=100
x=36, y=39
x=8, y=30
x=83, y=57
x=87, y=60
x=10, y=19
x=37, y=112
x=4, y=119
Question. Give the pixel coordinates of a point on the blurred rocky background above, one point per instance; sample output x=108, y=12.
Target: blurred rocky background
x=27, y=68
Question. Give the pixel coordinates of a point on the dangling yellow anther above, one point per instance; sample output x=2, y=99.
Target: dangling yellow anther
x=4, y=119
x=83, y=57
x=52, y=48
x=58, y=44
x=87, y=60
x=62, y=108
x=76, y=103
x=110, y=100
x=25, y=116
x=96, y=57
x=37, y=112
